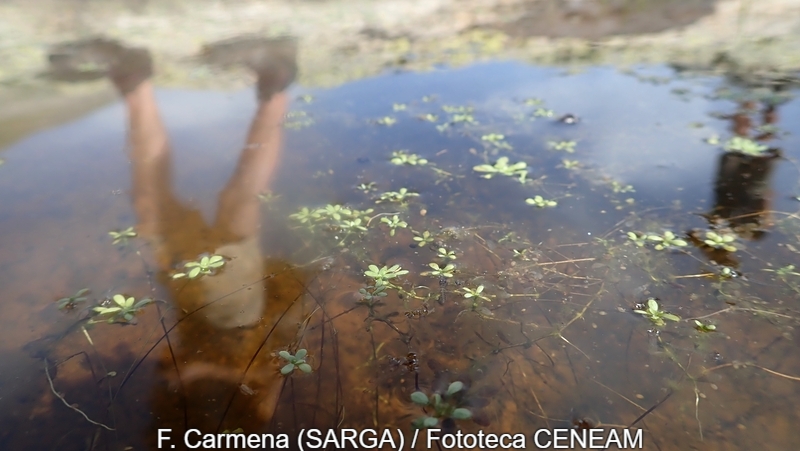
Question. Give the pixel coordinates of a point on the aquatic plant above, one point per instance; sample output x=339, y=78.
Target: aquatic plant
x=720, y=241
x=383, y=275
x=352, y=225
x=543, y=112
x=297, y=120
x=442, y=406
x=394, y=223
x=566, y=146
x=429, y=117
x=788, y=270
x=502, y=167
x=124, y=310
x=70, y=302
x=366, y=187
x=618, y=187
x=436, y=271
x=386, y=120
x=295, y=361
x=570, y=164
x=423, y=238
x=268, y=197
x=540, y=202
x=396, y=196
x=371, y=293
x=333, y=211
x=704, y=327
x=745, y=146
x=399, y=107
x=401, y=157
x=667, y=240
x=206, y=265
x=459, y=114
x=305, y=215
x=445, y=254
x=637, y=239
x=651, y=311
x=122, y=236
x=496, y=140
x=476, y=294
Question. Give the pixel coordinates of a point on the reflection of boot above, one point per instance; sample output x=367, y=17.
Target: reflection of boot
x=274, y=60
x=127, y=67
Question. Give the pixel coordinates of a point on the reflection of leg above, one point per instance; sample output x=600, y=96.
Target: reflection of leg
x=149, y=156
x=274, y=61
x=238, y=210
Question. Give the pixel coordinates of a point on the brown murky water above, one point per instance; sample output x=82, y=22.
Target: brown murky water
x=550, y=340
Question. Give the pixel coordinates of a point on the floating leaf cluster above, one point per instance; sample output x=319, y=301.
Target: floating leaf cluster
x=123, y=309
x=295, y=361
x=502, y=167
x=205, y=265
x=654, y=314
x=441, y=407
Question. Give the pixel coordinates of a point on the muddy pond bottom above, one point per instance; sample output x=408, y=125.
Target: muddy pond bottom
x=500, y=248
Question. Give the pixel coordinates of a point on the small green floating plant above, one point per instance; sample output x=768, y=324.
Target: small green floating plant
x=745, y=146
x=638, y=239
x=723, y=241
x=295, y=361
x=540, y=202
x=667, y=241
x=502, y=167
x=704, y=327
x=445, y=254
x=401, y=196
x=70, y=302
x=496, y=140
x=125, y=309
x=423, y=238
x=401, y=157
x=381, y=276
x=564, y=146
x=437, y=271
x=387, y=121
x=206, y=265
x=651, y=311
x=122, y=236
x=474, y=301
x=442, y=406
x=394, y=223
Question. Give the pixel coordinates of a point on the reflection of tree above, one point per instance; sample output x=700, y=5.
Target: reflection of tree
x=741, y=189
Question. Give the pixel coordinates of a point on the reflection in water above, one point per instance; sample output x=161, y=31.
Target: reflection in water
x=546, y=337
x=741, y=190
x=221, y=331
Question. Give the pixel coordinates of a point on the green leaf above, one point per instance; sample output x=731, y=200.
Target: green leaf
x=301, y=354
x=304, y=367
x=652, y=306
x=287, y=369
x=429, y=422
x=119, y=299
x=194, y=272
x=419, y=398
x=670, y=317
x=456, y=386
x=285, y=355
x=461, y=414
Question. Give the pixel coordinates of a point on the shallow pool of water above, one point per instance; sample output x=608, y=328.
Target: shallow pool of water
x=552, y=194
